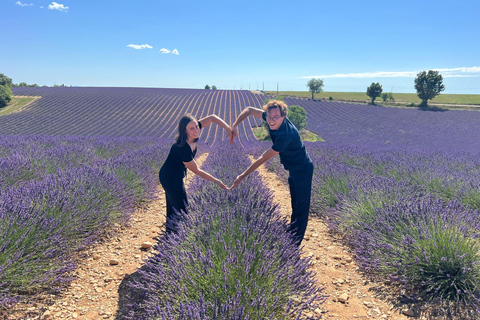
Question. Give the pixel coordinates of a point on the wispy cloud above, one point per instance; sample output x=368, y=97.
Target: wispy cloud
x=463, y=72
x=24, y=4
x=140, y=46
x=57, y=6
x=175, y=51
x=163, y=50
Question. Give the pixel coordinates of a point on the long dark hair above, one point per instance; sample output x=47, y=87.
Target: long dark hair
x=181, y=138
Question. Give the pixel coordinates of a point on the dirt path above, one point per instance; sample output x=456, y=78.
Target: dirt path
x=334, y=266
x=94, y=292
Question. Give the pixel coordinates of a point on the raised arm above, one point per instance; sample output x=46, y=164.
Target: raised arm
x=216, y=119
x=257, y=163
x=192, y=165
x=242, y=116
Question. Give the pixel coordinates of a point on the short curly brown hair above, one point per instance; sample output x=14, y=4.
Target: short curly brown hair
x=272, y=104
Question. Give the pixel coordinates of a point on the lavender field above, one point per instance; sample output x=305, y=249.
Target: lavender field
x=127, y=112
x=360, y=124
x=401, y=185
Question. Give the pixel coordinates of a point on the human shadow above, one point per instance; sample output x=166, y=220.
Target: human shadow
x=129, y=294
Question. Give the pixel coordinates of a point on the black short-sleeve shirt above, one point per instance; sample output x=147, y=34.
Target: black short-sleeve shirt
x=177, y=156
x=286, y=140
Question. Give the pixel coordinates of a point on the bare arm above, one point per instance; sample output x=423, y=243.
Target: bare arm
x=257, y=163
x=242, y=116
x=216, y=119
x=192, y=165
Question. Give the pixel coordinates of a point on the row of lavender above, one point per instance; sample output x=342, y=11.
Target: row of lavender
x=359, y=124
x=127, y=112
x=154, y=112
x=411, y=217
x=58, y=194
x=231, y=258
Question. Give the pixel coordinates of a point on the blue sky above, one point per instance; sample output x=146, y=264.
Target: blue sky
x=241, y=45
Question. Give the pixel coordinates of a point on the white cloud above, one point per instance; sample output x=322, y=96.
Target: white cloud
x=41, y=7
x=141, y=46
x=164, y=51
x=463, y=72
x=57, y=6
x=23, y=4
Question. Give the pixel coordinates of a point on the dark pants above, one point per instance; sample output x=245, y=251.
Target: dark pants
x=300, y=184
x=175, y=195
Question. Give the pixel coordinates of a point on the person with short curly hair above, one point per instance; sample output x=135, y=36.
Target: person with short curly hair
x=293, y=155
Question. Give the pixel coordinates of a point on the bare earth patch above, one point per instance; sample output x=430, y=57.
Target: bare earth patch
x=18, y=104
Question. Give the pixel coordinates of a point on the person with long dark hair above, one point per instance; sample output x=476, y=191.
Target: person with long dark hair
x=181, y=157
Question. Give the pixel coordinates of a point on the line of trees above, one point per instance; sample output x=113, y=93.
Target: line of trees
x=427, y=84
x=214, y=87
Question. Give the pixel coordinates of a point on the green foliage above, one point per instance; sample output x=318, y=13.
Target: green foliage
x=330, y=98
x=374, y=91
x=390, y=96
x=298, y=116
x=428, y=85
x=214, y=87
x=207, y=87
x=384, y=96
x=447, y=266
x=24, y=84
x=315, y=86
x=5, y=81
x=5, y=95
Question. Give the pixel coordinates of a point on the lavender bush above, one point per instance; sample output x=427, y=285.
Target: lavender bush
x=411, y=216
x=426, y=244
x=50, y=214
x=231, y=257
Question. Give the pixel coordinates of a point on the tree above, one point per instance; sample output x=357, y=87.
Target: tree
x=207, y=87
x=298, y=116
x=5, y=81
x=428, y=85
x=390, y=96
x=5, y=95
x=214, y=87
x=315, y=86
x=374, y=91
x=384, y=96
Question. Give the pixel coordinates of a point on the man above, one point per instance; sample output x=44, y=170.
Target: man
x=286, y=142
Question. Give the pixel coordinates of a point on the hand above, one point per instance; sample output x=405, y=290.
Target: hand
x=229, y=134
x=233, y=135
x=236, y=182
x=220, y=184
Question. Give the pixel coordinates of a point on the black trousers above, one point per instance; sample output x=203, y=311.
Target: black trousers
x=175, y=195
x=300, y=184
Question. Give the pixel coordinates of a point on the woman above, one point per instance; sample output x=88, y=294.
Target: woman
x=181, y=157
